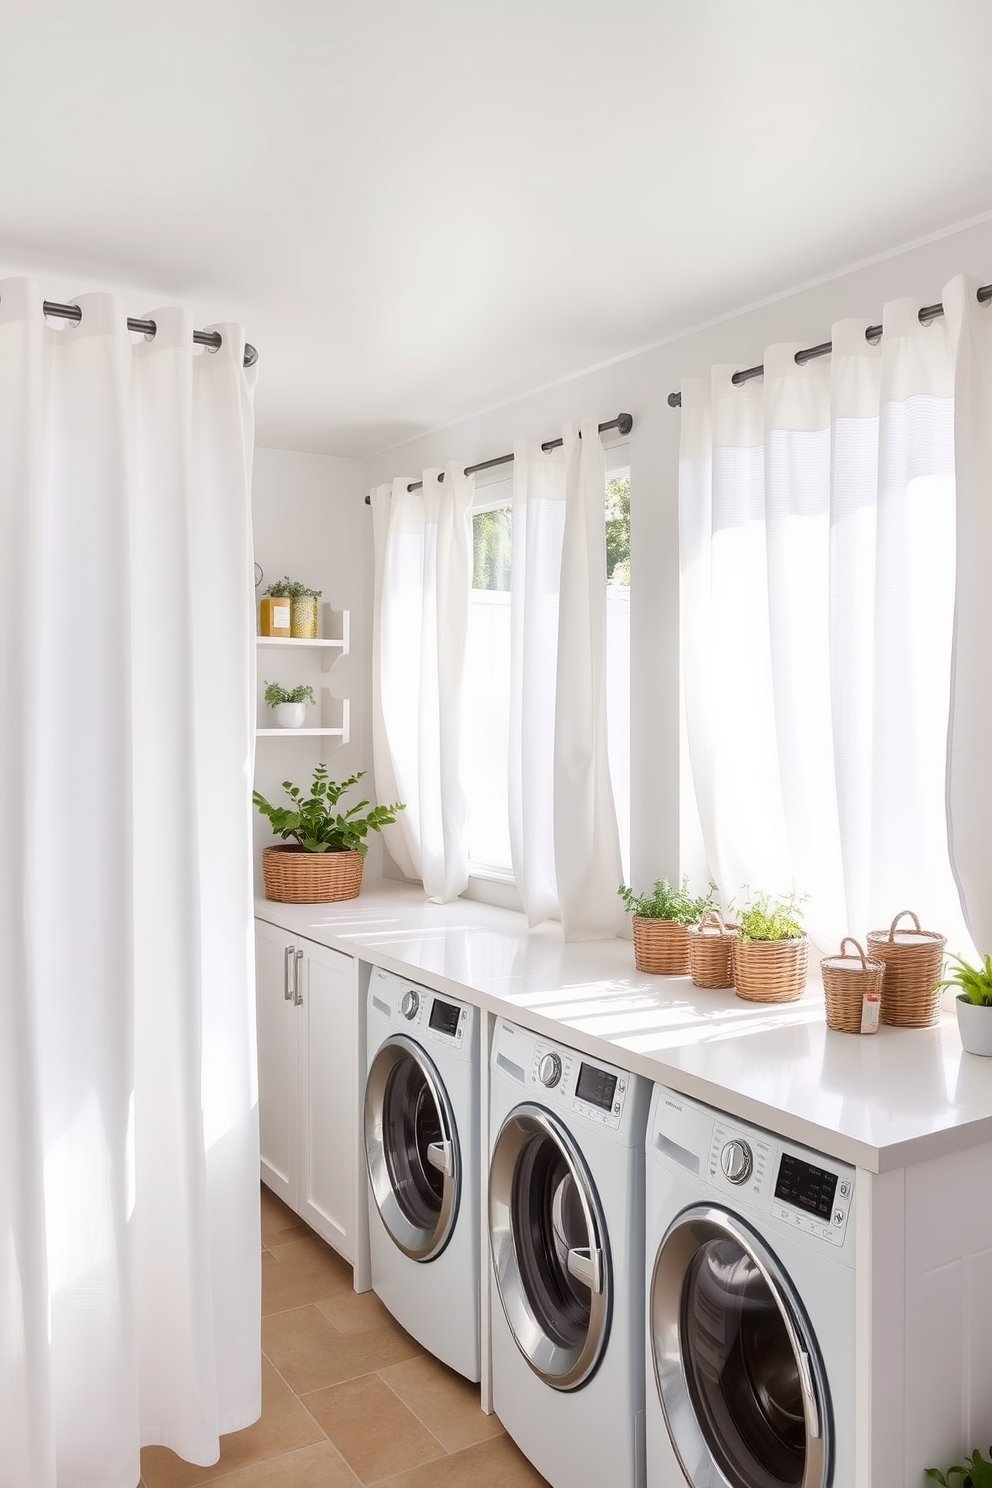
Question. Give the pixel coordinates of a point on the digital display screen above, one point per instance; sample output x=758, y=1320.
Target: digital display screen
x=805, y=1186
x=444, y=1017
x=596, y=1086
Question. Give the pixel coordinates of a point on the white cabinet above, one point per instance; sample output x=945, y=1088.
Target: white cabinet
x=307, y=1003
x=291, y=662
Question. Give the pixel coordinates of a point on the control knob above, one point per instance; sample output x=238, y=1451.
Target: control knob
x=736, y=1161
x=549, y=1070
x=410, y=1003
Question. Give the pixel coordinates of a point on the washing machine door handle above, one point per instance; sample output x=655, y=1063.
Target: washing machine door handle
x=806, y=1382
x=586, y=1265
x=441, y=1155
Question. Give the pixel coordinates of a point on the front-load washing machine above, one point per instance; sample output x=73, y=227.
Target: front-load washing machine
x=750, y=1305
x=566, y=1215
x=422, y=1098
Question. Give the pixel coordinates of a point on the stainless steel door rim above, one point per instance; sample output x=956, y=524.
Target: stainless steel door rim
x=550, y=1248
x=411, y=1147
x=736, y=1365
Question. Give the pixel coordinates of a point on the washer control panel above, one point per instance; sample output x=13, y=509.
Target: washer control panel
x=432, y=1014
x=749, y=1169
x=810, y=1195
x=598, y=1092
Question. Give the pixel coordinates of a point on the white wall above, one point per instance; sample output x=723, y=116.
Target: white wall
x=640, y=385
x=309, y=522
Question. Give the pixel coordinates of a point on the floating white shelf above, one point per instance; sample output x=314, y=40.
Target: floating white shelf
x=290, y=643
x=334, y=713
x=288, y=733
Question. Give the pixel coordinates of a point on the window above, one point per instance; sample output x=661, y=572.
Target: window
x=488, y=688
x=488, y=663
x=618, y=646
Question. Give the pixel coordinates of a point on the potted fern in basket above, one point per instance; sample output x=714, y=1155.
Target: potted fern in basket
x=661, y=921
x=323, y=848
x=771, y=952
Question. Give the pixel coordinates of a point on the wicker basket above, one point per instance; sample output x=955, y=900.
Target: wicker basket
x=913, y=959
x=770, y=970
x=661, y=947
x=852, y=987
x=296, y=877
x=711, y=951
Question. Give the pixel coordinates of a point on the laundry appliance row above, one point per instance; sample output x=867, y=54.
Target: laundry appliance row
x=671, y=1289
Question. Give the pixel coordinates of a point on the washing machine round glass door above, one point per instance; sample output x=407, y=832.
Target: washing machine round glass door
x=411, y=1146
x=737, y=1368
x=550, y=1248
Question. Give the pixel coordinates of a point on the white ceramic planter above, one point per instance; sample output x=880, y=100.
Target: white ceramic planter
x=974, y=1026
x=290, y=715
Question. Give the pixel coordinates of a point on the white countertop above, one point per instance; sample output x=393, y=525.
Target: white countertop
x=881, y=1101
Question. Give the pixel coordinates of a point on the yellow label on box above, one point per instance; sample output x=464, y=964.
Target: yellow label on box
x=273, y=617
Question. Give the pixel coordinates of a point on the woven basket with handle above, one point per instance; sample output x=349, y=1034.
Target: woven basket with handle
x=711, y=951
x=913, y=958
x=771, y=970
x=851, y=985
x=293, y=876
x=661, y=947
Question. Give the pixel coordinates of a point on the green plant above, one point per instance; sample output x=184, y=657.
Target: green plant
x=767, y=917
x=274, y=694
x=314, y=822
x=974, y=1472
x=287, y=588
x=975, y=984
x=667, y=903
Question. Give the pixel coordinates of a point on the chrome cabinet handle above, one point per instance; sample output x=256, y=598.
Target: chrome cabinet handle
x=287, y=957
x=439, y=1155
x=586, y=1265
x=297, y=994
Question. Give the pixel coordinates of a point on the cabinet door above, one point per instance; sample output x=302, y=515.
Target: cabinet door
x=276, y=1021
x=328, y=1095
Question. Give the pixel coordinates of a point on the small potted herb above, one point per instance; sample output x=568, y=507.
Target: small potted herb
x=974, y=1472
x=289, y=704
x=973, y=1004
x=660, y=922
x=771, y=952
x=323, y=847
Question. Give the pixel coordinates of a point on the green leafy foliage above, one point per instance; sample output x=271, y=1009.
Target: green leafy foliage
x=974, y=1472
x=287, y=588
x=618, y=530
x=275, y=694
x=767, y=917
x=491, y=548
x=665, y=902
x=315, y=823
x=974, y=982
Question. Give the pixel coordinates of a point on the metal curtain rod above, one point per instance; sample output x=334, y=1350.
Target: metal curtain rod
x=873, y=333
x=148, y=328
x=623, y=423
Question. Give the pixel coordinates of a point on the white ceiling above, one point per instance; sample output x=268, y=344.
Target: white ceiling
x=421, y=208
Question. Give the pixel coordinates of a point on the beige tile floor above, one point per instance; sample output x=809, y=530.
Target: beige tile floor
x=348, y=1398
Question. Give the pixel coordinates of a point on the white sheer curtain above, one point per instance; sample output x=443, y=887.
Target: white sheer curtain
x=129, y=1254
x=969, y=788
x=817, y=529
x=423, y=575
x=563, y=832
